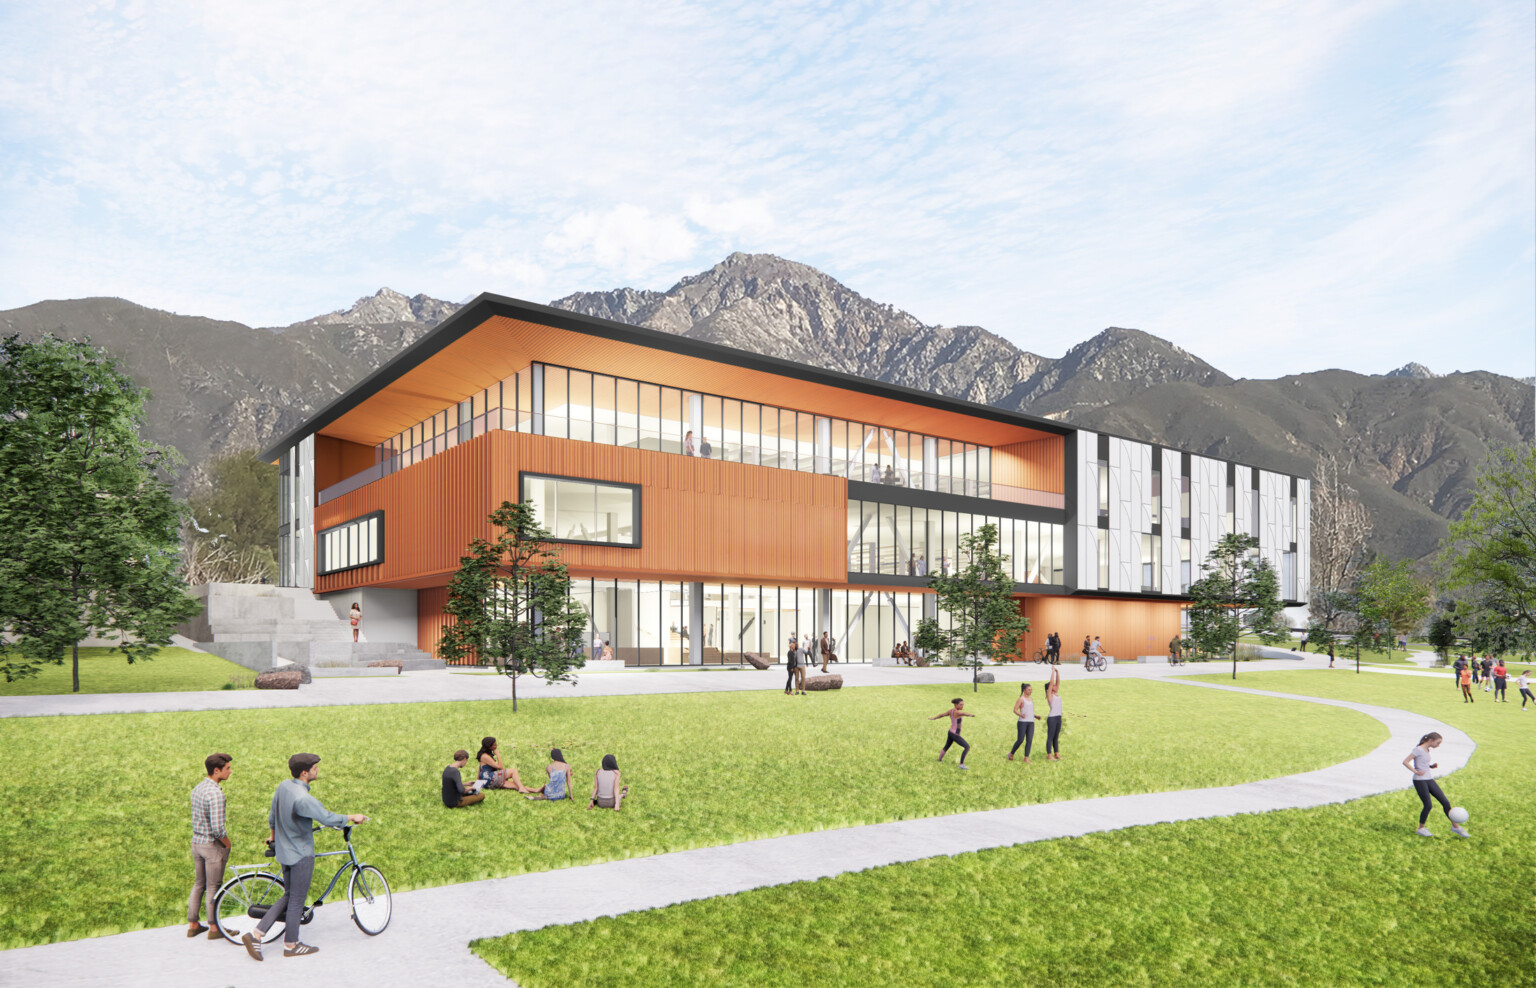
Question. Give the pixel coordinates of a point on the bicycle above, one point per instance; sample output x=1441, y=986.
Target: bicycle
x=253, y=891
x=1093, y=663
x=1040, y=656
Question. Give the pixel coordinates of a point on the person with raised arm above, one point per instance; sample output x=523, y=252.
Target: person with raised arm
x=1053, y=717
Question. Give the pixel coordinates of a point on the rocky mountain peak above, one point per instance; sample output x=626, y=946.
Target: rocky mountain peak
x=1412, y=369
x=388, y=306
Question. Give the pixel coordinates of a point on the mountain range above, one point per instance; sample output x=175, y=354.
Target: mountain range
x=1409, y=441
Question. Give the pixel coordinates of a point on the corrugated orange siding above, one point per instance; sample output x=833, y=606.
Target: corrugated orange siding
x=1038, y=465
x=701, y=519
x=1127, y=628
x=337, y=459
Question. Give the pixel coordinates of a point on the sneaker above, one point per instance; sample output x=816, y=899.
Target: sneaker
x=963, y=765
x=193, y=931
x=299, y=950
x=1424, y=832
x=1459, y=831
x=252, y=946
x=214, y=933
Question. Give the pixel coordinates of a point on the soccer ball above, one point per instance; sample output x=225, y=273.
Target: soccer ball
x=1458, y=815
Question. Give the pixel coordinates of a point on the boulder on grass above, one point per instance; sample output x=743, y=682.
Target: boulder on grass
x=756, y=659
x=833, y=682
x=396, y=664
x=279, y=679
x=985, y=677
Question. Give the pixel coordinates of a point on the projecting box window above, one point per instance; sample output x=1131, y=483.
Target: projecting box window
x=359, y=542
x=588, y=511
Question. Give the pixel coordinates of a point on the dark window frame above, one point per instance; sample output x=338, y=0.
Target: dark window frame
x=320, y=553
x=634, y=489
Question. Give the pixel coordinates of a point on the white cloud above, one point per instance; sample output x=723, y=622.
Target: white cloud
x=1317, y=173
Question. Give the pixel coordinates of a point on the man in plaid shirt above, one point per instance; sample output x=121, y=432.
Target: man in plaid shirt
x=210, y=844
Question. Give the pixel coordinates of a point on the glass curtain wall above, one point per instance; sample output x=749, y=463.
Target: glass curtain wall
x=646, y=622
x=897, y=540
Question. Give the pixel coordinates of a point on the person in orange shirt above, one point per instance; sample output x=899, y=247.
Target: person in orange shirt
x=1466, y=686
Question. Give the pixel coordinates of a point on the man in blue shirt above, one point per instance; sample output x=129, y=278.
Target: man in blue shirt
x=293, y=813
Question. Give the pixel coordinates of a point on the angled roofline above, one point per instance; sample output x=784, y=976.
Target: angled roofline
x=486, y=305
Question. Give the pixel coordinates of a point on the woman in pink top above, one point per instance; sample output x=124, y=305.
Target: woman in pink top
x=954, y=714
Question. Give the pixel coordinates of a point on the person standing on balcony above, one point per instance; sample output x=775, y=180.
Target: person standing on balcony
x=705, y=449
x=688, y=447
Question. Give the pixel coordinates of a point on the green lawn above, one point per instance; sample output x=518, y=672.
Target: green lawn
x=102, y=670
x=706, y=769
x=1338, y=895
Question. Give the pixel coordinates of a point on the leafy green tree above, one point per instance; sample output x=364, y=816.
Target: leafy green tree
x=1236, y=582
x=1390, y=599
x=1442, y=635
x=232, y=534
x=88, y=526
x=1489, y=560
x=985, y=622
x=511, y=603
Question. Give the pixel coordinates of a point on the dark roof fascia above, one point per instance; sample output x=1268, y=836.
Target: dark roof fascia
x=486, y=305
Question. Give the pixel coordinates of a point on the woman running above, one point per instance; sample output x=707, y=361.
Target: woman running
x=1524, y=682
x=954, y=714
x=1053, y=717
x=1418, y=762
x=1024, y=709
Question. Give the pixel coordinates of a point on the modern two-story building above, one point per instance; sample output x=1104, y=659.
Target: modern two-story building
x=711, y=502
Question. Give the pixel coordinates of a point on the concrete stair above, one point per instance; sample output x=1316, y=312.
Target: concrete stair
x=255, y=625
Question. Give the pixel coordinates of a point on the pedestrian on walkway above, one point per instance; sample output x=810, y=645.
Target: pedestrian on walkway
x=1330, y=654
x=210, y=844
x=355, y=617
x=1500, y=672
x=455, y=795
x=1466, y=684
x=292, y=817
x=1024, y=710
x=793, y=666
x=954, y=713
x=828, y=649
x=1420, y=763
x=1053, y=717
x=1524, y=682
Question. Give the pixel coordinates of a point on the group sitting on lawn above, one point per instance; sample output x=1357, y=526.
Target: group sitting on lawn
x=608, y=792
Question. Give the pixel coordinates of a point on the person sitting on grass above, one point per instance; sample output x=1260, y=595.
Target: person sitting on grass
x=608, y=792
x=559, y=784
x=454, y=793
x=492, y=773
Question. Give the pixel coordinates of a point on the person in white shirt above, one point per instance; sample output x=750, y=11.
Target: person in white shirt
x=1024, y=710
x=1420, y=762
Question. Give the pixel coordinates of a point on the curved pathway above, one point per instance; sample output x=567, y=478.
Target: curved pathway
x=428, y=940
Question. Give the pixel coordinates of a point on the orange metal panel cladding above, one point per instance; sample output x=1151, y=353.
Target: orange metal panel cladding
x=1038, y=465
x=1127, y=628
x=701, y=519
x=337, y=459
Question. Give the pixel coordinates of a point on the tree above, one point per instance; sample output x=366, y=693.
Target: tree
x=1340, y=527
x=1391, y=599
x=88, y=526
x=1489, y=560
x=985, y=622
x=1236, y=581
x=1442, y=635
x=231, y=536
x=511, y=603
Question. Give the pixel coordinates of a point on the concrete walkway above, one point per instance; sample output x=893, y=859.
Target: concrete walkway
x=427, y=942
x=445, y=686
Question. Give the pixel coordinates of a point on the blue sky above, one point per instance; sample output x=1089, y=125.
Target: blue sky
x=1277, y=187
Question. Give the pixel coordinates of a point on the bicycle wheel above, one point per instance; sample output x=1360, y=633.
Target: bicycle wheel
x=1098, y=664
x=243, y=901
x=368, y=893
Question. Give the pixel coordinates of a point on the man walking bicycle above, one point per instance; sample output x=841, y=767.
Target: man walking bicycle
x=293, y=813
